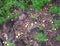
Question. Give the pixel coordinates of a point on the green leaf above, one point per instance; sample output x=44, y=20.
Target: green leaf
x=9, y=15
x=9, y=43
x=2, y=20
x=34, y=16
x=57, y=22
x=17, y=13
x=1, y=12
x=53, y=10
x=41, y=28
x=41, y=37
x=58, y=38
x=54, y=27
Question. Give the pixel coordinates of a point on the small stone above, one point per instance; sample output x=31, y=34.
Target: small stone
x=11, y=19
x=16, y=36
x=32, y=24
x=35, y=22
x=43, y=20
x=50, y=4
x=55, y=29
x=5, y=35
x=45, y=8
x=31, y=40
x=13, y=13
x=43, y=25
x=19, y=34
x=50, y=30
x=22, y=33
x=26, y=25
x=22, y=17
x=5, y=42
x=36, y=44
x=51, y=21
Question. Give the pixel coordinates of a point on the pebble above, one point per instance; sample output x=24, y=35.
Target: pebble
x=31, y=40
x=35, y=22
x=5, y=42
x=22, y=33
x=11, y=19
x=43, y=25
x=16, y=36
x=50, y=30
x=22, y=17
x=19, y=34
x=26, y=25
x=51, y=21
x=43, y=21
x=32, y=24
x=5, y=35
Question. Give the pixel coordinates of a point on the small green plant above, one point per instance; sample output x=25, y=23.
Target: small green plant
x=41, y=37
x=2, y=20
x=58, y=11
x=34, y=16
x=58, y=38
x=54, y=27
x=55, y=10
x=9, y=43
x=41, y=28
x=16, y=13
x=56, y=24
x=37, y=4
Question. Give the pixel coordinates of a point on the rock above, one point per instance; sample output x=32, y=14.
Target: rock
x=22, y=17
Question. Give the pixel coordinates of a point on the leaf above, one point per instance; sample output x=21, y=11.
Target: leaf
x=58, y=38
x=41, y=37
x=9, y=15
x=17, y=13
x=57, y=22
x=34, y=16
x=41, y=28
x=9, y=43
x=2, y=20
x=54, y=27
x=1, y=3
x=1, y=12
x=53, y=10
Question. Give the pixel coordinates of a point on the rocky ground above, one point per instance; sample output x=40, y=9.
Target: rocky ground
x=23, y=30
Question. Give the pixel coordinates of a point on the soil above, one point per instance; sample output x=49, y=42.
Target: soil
x=22, y=31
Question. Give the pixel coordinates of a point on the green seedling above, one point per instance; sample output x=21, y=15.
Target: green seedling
x=56, y=24
x=41, y=37
x=53, y=10
x=16, y=13
x=41, y=28
x=34, y=16
x=54, y=27
x=9, y=43
x=58, y=11
x=2, y=20
x=37, y=4
x=58, y=38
